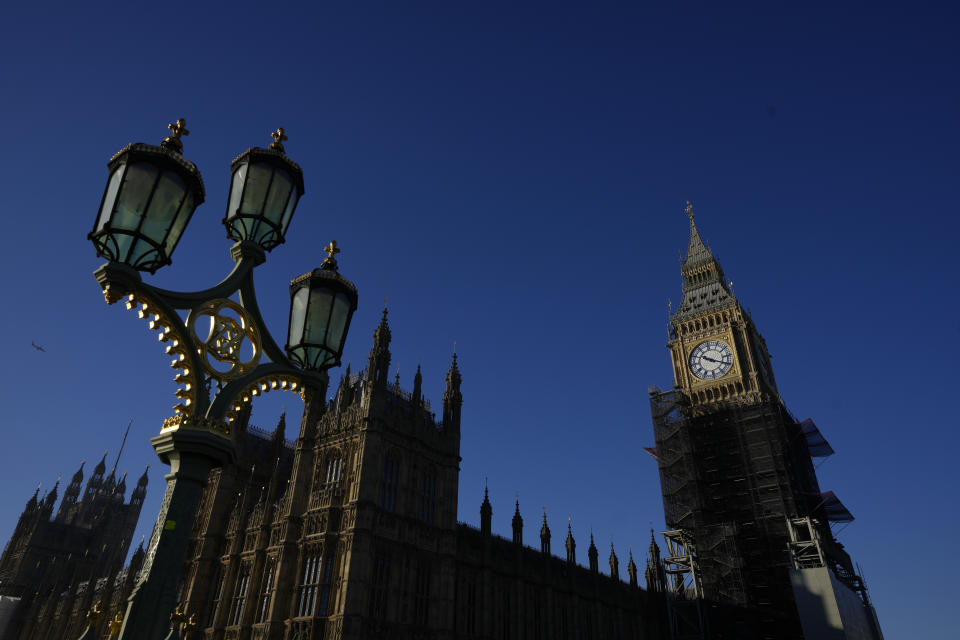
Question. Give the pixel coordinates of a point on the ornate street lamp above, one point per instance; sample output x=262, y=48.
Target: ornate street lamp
x=149, y=198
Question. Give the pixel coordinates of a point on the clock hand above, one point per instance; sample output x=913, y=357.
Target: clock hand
x=710, y=359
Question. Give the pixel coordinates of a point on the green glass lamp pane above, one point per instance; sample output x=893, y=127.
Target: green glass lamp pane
x=135, y=192
x=163, y=207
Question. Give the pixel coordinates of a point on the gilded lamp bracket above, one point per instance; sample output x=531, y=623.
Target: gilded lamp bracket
x=237, y=359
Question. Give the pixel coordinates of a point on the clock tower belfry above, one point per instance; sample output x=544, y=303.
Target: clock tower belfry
x=718, y=354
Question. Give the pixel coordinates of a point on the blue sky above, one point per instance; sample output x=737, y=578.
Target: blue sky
x=511, y=176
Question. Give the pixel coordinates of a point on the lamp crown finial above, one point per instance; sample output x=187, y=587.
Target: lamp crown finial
x=330, y=262
x=278, y=139
x=177, y=129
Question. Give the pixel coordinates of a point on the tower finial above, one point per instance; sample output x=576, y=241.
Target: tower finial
x=689, y=210
x=122, y=444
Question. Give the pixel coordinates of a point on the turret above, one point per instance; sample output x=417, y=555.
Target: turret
x=517, y=525
x=72, y=494
x=96, y=480
x=593, y=555
x=121, y=488
x=417, y=388
x=379, y=364
x=140, y=491
x=545, y=535
x=452, y=398
x=632, y=570
x=655, y=576
x=279, y=437
x=51, y=498
x=486, y=514
x=571, y=546
x=614, y=564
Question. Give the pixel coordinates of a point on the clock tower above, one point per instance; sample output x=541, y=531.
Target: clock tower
x=741, y=498
x=718, y=354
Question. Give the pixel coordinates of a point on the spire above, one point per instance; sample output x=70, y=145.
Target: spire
x=379, y=364
x=121, y=487
x=452, y=398
x=655, y=576
x=122, y=443
x=545, y=534
x=279, y=438
x=78, y=476
x=632, y=570
x=517, y=525
x=614, y=563
x=486, y=512
x=417, y=387
x=52, y=496
x=704, y=285
x=32, y=502
x=140, y=491
x=593, y=555
x=697, y=251
x=101, y=467
x=571, y=545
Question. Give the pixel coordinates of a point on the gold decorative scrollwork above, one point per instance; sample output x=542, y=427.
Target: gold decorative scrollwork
x=264, y=385
x=168, y=334
x=226, y=339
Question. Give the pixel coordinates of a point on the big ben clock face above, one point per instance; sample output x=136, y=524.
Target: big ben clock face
x=711, y=360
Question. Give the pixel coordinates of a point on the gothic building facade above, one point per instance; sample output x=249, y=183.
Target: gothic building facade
x=57, y=565
x=354, y=535
x=750, y=553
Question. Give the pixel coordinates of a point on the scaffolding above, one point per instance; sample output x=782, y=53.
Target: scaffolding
x=731, y=478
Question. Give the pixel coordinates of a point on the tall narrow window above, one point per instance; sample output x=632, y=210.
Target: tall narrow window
x=325, y=586
x=334, y=471
x=388, y=483
x=266, y=590
x=381, y=584
x=310, y=580
x=239, y=595
x=421, y=602
x=217, y=593
x=428, y=490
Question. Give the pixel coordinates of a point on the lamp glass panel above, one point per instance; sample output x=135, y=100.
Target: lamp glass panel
x=258, y=180
x=123, y=245
x=318, y=316
x=236, y=189
x=298, y=310
x=141, y=249
x=164, y=206
x=178, y=224
x=277, y=198
x=338, y=322
x=134, y=194
x=288, y=212
x=110, y=196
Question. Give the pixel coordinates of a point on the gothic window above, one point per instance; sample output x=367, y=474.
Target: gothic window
x=309, y=583
x=421, y=602
x=239, y=596
x=266, y=590
x=428, y=490
x=333, y=472
x=214, y=608
x=381, y=584
x=325, y=586
x=388, y=483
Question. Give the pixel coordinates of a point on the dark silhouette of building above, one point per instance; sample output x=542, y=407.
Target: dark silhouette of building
x=59, y=565
x=751, y=553
x=355, y=535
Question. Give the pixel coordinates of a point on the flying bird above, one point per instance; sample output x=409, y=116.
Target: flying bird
x=37, y=347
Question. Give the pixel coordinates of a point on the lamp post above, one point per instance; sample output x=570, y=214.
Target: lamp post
x=151, y=194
